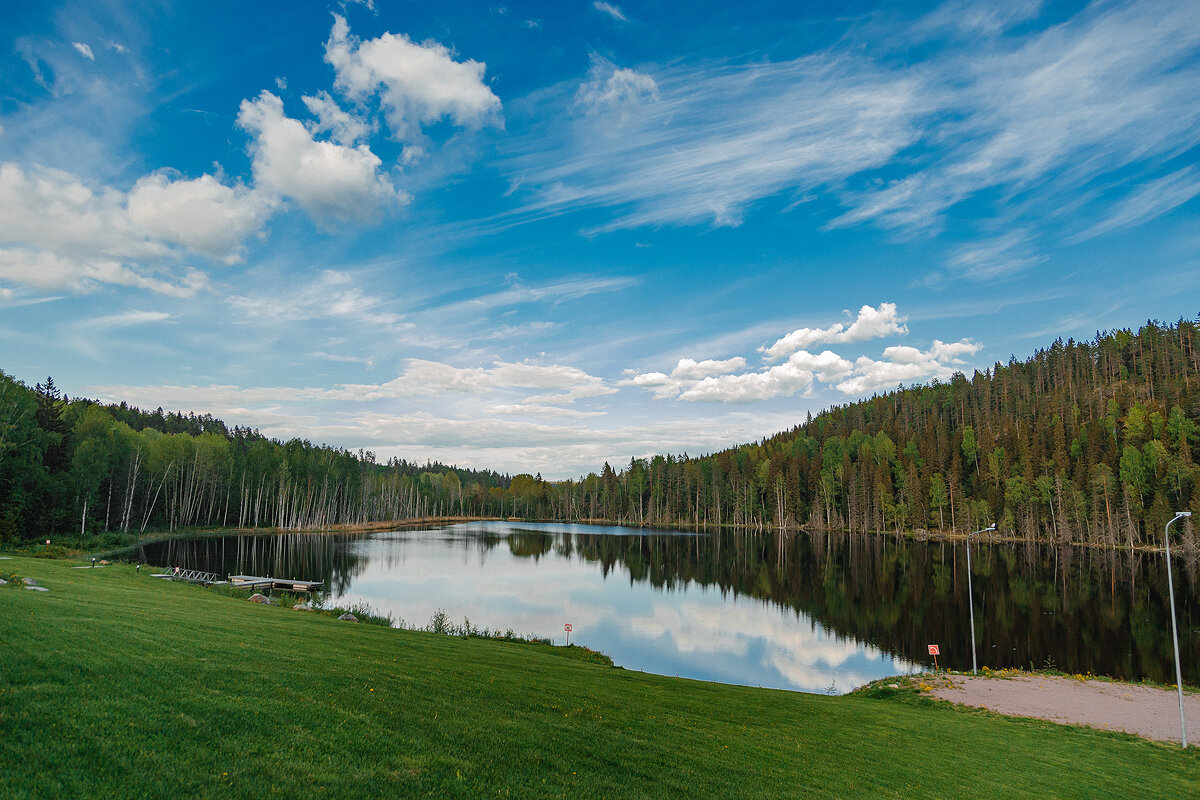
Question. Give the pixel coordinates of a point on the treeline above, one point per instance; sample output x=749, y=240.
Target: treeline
x=1084, y=442
x=81, y=467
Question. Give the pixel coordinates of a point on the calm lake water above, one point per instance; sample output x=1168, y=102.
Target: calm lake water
x=809, y=612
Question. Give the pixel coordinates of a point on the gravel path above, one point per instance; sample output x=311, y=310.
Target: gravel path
x=1142, y=710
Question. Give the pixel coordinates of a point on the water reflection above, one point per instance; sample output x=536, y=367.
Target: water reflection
x=813, y=612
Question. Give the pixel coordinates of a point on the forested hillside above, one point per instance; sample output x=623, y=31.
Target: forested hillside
x=1083, y=442
x=79, y=467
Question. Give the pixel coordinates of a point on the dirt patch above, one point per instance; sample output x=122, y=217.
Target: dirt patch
x=1145, y=711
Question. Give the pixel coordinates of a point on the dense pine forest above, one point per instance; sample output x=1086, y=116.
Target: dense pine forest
x=1083, y=442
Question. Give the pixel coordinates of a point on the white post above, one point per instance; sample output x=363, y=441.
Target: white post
x=1174, y=629
x=971, y=594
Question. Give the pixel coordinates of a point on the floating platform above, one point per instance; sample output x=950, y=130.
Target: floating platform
x=287, y=584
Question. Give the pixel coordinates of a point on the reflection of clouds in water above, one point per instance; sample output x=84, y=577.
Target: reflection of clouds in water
x=802, y=652
x=492, y=587
x=692, y=631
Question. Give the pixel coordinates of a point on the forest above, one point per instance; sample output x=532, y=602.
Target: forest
x=82, y=468
x=1086, y=442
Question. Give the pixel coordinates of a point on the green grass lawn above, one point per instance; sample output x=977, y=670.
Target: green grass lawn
x=121, y=685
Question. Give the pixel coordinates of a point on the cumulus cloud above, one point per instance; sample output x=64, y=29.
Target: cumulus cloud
x=342, y=127
x=330, y=181
x=728, y=381
x=203, y=214
x=686, y=371
x=57, y=232
x=902, y=364
x=417, y=84
x=871, y=323
x=611, y=88
x=84, y=50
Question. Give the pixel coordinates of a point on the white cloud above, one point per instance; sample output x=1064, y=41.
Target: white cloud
x=1148, y=201
x=57, y=232
x=418, y=83
x=125, y=319
x=331, y=182
x=699, y=143
x=783, y=380
x=421, y=378
x=726, y=381
x=1001, y=256
x=1101, y=99
x=203, y=215
x=686, y=372
x=871, y=323
x=711, y=381
x=342, y=127
x=974, y=17
x=610, y=9
x=84, y=50
x=518, y=292
x=903, y=364
x=1112, y=87
x=611, y=88
x=331, y=295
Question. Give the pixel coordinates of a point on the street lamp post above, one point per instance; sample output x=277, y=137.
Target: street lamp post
x=971, y=595
x=1174, y=628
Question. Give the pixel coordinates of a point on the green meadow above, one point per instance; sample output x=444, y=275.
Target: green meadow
x=117, y=684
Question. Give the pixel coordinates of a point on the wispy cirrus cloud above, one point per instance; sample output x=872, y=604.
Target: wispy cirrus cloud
x=1148, y=201
x=1109, y=89
x=687, y=144
x=995, y=257
x=1098, y=100
x=610, y=10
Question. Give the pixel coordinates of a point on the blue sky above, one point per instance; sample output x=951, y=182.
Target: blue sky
x=541, y=236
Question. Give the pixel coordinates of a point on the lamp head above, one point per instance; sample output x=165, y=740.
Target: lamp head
x=1183, y=513
x=991, y=527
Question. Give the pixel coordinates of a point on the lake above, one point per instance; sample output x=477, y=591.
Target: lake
x=799, y=611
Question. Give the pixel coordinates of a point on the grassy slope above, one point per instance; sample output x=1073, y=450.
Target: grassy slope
x=116, y=685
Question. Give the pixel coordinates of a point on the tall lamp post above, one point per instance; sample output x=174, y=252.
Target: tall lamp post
x=971, y=595
x=1174, y=629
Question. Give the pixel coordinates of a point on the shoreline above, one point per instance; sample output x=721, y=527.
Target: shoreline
x=380, y=526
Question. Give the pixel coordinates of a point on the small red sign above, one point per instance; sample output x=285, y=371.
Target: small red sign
x=934, y=651
x=568, y=627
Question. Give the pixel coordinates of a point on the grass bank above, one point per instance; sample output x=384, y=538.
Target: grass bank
x=114, y=684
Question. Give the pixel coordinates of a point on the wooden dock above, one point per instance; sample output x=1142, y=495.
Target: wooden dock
x=286, y=584
x=241, y=581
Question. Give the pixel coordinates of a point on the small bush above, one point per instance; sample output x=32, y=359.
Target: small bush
x=50, y=551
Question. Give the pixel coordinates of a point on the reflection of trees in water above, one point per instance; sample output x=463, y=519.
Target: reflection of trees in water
x=304, y=556
x=526, y=544
x=1079, y=609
